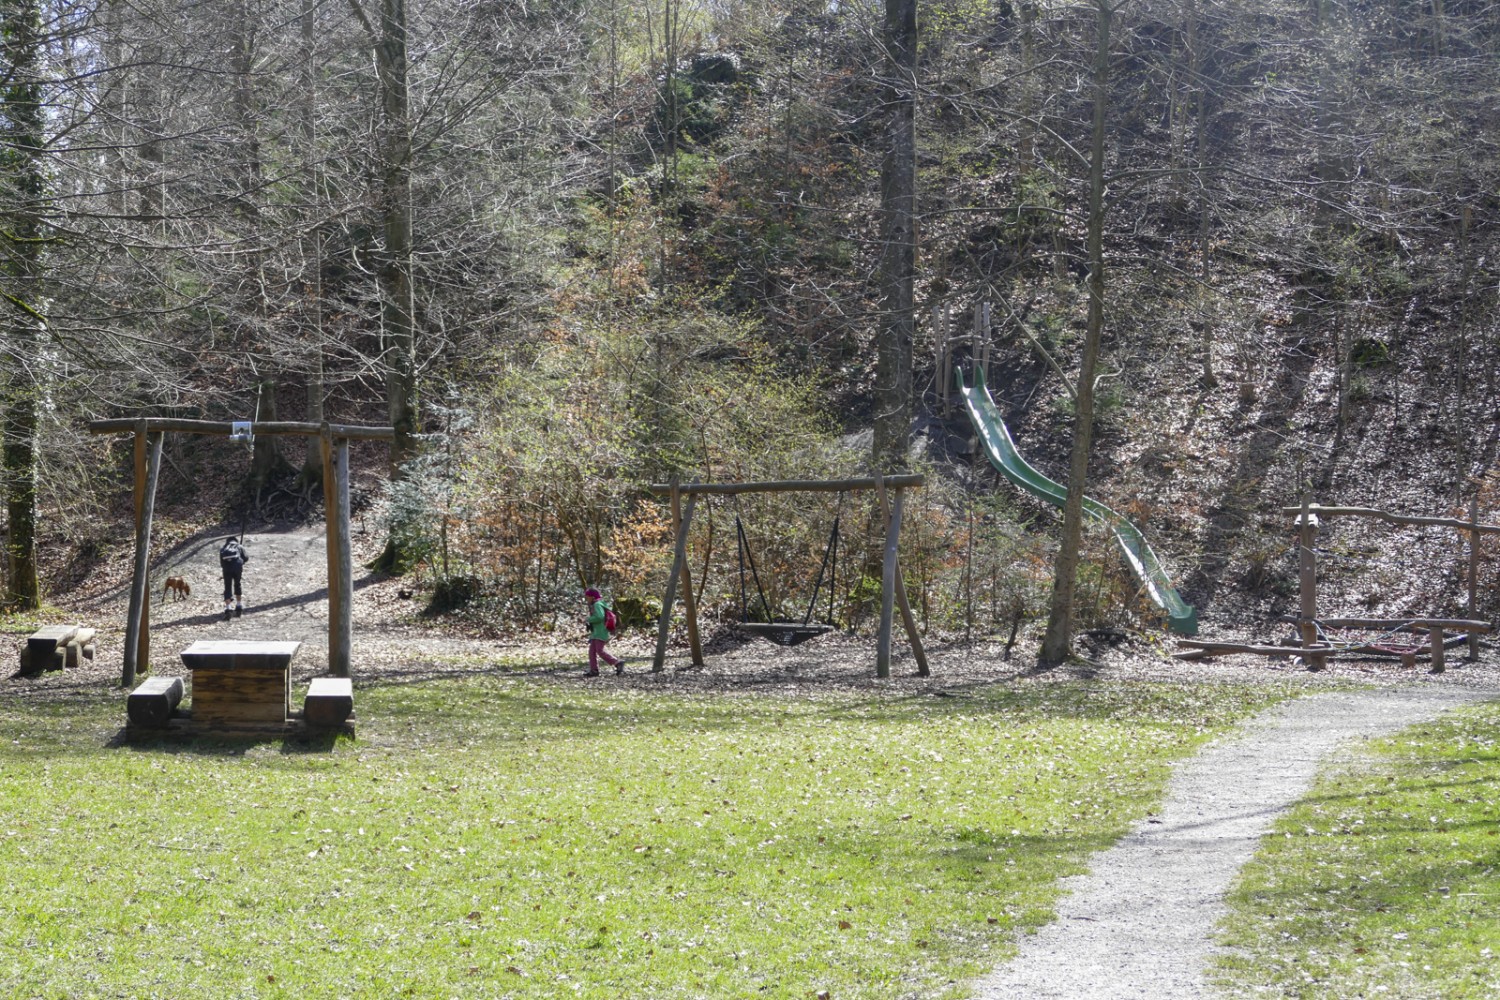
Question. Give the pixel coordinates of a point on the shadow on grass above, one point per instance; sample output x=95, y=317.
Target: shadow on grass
x=211, y=745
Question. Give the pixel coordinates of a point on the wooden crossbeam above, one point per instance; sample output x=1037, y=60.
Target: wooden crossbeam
x=790, y=486
x=1387, y=516
x=225, y=428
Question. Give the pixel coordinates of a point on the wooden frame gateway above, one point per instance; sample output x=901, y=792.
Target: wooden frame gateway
x=892, y=589
x=335, y=440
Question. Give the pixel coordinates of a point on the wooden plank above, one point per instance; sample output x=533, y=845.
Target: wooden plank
x=154, y=701
x=137, y=624
x=244, y=694
x=1387, y=516
x=329, y=701
x=224, y=428
x=239, y=654
x=902, y=481
x=679, y=559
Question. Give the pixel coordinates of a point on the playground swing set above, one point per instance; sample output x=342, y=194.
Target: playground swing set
x=783, y=632
x=1318, y=637
x=787, y=633
x=240, y=685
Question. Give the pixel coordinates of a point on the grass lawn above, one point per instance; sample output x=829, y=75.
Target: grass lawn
x=1385, y=881
x=504, y=837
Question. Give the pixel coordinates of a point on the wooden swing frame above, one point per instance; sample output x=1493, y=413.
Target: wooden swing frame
x=892, y=590
x=335, y=438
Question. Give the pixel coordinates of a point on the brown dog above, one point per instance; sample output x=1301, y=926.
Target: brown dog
x=177, y=587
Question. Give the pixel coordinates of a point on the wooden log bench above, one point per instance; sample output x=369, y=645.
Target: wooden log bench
x=329, y=702
x=153, y=702
x=56, y=647
x=240, y=683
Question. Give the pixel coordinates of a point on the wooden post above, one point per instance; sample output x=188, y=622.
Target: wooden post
x=341, y=629
x=1437, y=650
x=135, y=623
x=907, y=619
x=984, y=348
x=945, y=367
x=330, y=542
x=689, y=602
x=679, y=559
x=888, y=584
x=1473, y=606
x=143, y=640
x=1307, y=572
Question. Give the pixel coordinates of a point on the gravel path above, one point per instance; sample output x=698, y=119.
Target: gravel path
x=1138, y=925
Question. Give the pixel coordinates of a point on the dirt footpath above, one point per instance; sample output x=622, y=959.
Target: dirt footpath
x=1138, y=924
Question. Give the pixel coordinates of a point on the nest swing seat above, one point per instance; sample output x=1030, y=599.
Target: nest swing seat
x=784, y=632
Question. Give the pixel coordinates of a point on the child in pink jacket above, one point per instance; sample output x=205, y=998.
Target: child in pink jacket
x=599, y=635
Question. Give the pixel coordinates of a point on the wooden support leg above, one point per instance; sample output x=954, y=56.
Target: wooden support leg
x=136, y=626
x=1307, y=574
x=887, y=584
x=343, y=625
x=689, y=601
x=1437, y=650
x=679, y=559
x=330, y=539
x=1473, y=576
x=907, y=618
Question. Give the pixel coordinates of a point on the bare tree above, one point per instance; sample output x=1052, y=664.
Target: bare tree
x=1057, y=643
x=22, y=194
x=898, y=247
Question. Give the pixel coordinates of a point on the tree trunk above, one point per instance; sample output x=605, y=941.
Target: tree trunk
x=1057, y=643
x=397, y=303
x=898, y=261
x=311, y=475
x=22, y=185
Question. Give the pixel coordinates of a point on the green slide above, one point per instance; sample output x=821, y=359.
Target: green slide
x=1147, y=569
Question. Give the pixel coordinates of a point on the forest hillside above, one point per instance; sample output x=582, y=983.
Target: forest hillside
x=571, y=248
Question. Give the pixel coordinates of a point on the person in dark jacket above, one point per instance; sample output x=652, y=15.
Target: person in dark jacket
x=232, y=559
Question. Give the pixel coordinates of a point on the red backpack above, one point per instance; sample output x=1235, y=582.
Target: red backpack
x=610, y=621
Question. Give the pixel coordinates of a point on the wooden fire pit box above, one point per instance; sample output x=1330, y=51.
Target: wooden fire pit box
x=238, y=682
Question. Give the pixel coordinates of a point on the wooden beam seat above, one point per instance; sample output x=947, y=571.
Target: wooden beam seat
x=329, y=702
x=154, y=701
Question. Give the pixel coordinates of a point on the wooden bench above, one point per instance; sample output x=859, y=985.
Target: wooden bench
x=56, y=647
x=240, y=682
x=153, y=702
x=329, y=702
